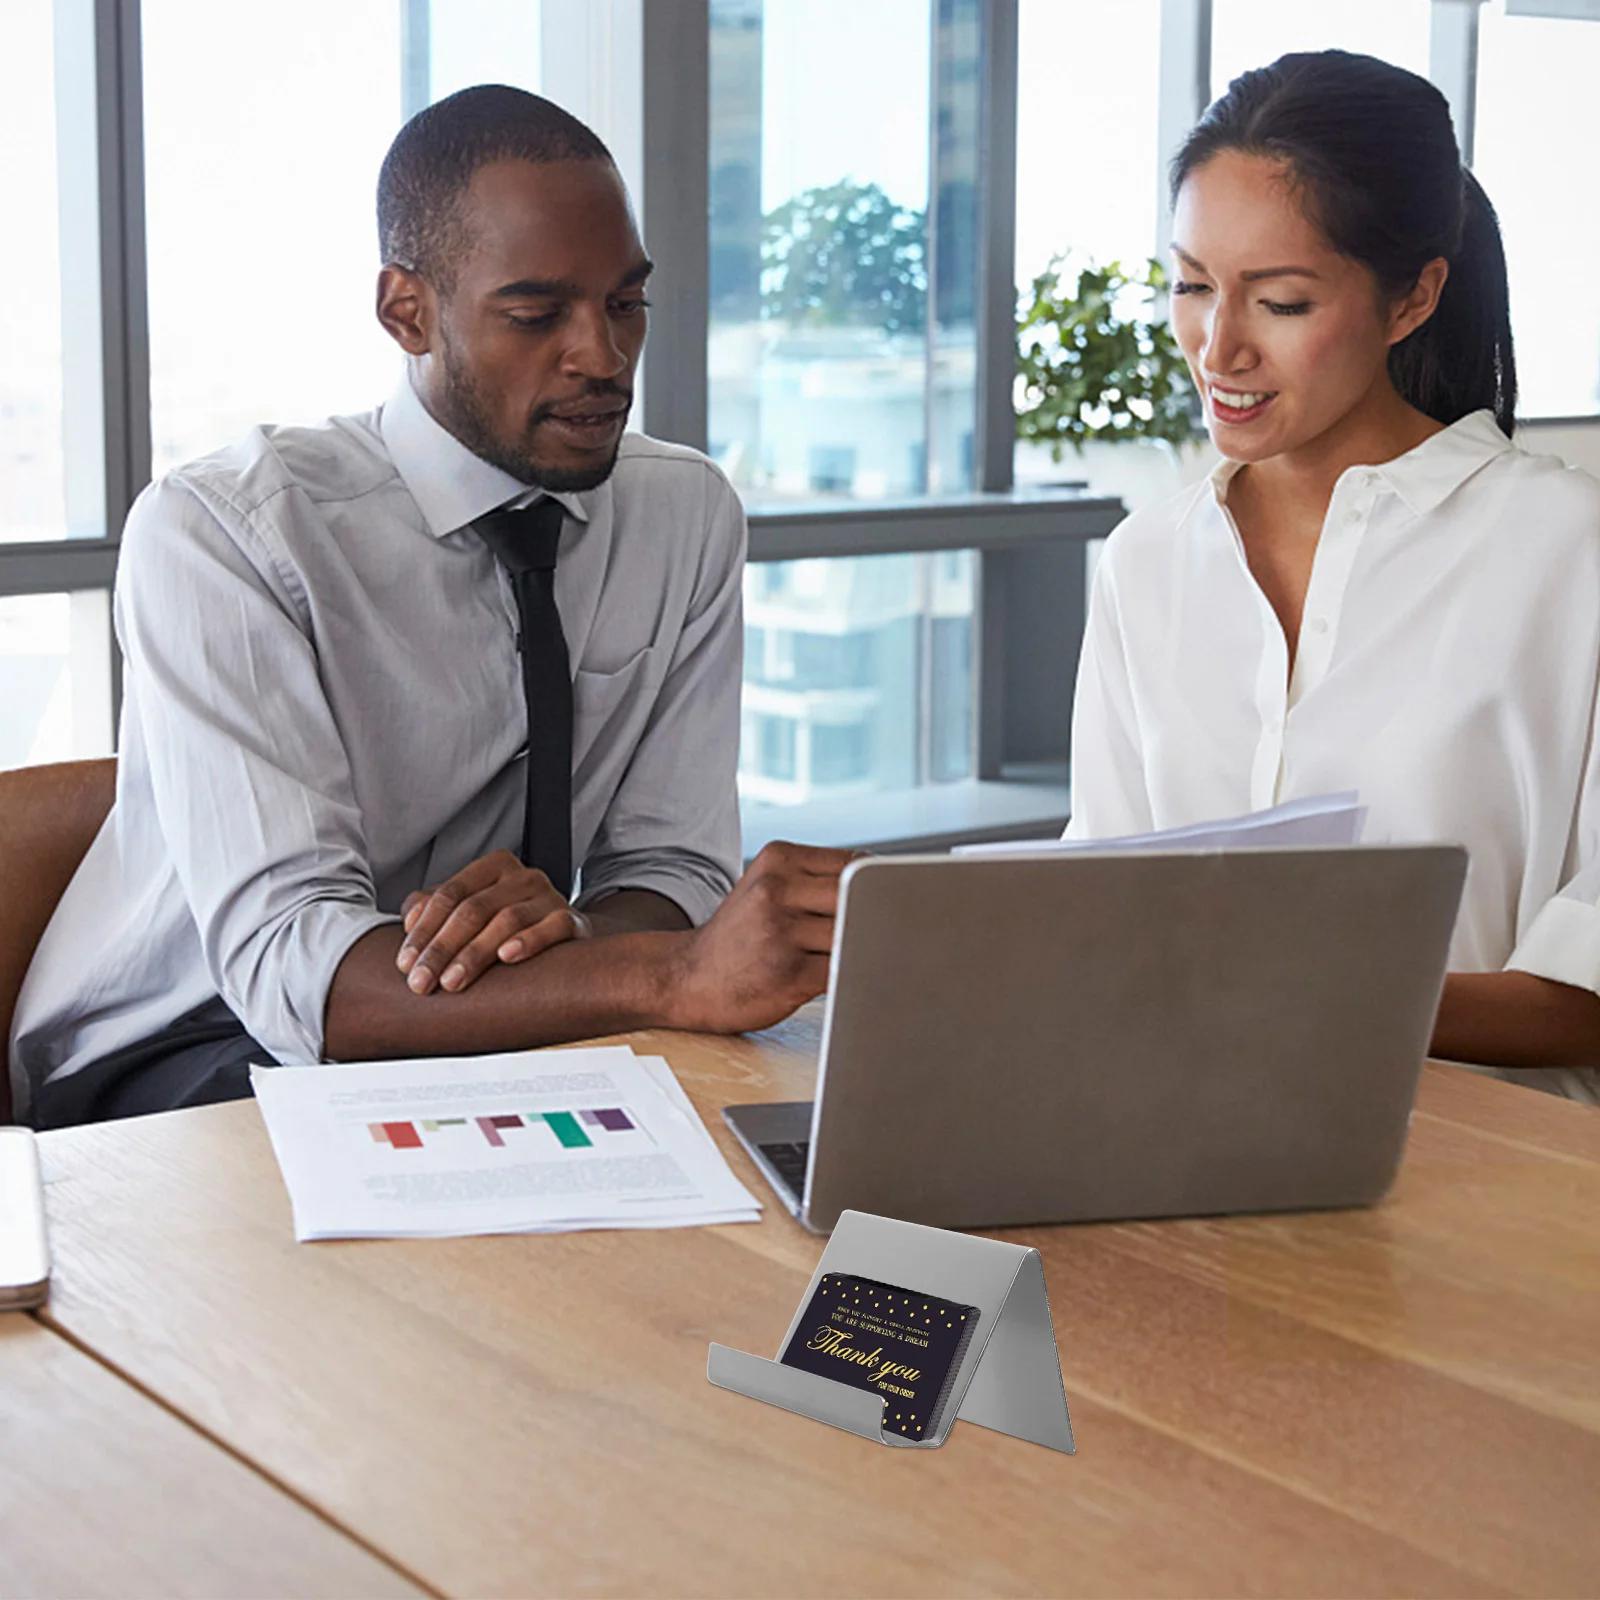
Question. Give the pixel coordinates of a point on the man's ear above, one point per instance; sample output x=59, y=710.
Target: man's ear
x=407, y=308
x=1415, y=307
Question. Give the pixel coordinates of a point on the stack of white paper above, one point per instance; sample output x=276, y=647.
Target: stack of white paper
x=1329, y=819
x=527, y=1142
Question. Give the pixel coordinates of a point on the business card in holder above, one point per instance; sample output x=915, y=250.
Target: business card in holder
x=1010, y=1375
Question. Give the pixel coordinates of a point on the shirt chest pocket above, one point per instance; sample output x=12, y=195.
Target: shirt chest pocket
x=610, y=710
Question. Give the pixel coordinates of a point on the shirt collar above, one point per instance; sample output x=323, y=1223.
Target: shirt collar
x=450, y=484
x=1424, y=477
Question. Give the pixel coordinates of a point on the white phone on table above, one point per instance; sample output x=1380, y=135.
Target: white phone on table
x=24, y=1250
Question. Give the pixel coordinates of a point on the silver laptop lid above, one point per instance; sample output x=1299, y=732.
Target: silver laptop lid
x=1018, y=1040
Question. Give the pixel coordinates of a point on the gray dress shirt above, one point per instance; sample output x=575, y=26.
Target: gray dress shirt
x=323, y=711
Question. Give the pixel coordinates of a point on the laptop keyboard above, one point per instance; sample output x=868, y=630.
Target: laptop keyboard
x=789, y=1162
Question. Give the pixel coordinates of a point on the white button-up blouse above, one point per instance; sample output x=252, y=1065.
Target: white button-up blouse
x=1447, y=668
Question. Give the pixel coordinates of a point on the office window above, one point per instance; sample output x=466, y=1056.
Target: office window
x=1253, y=33
x=835, y=660
x=56, y=671
x=841, y=365
x=264, y=130
x=833, y=468
x=1538, y=157
x=767, y=748
x=1088, y=113
x=453, y=44
x=1088, y=82
x=844, y=146
x=841, y=753
x=32, y=496
x=866, y=667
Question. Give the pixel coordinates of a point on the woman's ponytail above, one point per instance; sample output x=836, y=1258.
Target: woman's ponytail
x=1461, y=359
x=1372, y=149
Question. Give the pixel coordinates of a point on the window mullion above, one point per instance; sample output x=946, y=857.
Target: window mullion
x=997, y=248
x=675, y=118
x=105, y=327
x=125, y=322
x=1185, y=93
x=1453, y=65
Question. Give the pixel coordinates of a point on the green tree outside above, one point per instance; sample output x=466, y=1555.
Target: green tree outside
x=845, y=255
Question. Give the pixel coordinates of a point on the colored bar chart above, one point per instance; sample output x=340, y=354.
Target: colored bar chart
x=572, y=1129
x=565, y=1127
x=402, y=1135
x=490, y=1126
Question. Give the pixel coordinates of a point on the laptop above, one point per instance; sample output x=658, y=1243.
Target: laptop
x=1013, y=1040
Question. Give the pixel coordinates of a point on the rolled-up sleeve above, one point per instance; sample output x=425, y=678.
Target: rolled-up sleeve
x=673, y=825
x=252, y=783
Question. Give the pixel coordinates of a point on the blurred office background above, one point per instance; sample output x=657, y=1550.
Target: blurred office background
x=848, y=199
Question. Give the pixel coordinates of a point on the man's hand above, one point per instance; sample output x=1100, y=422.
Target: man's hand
x=765, y=952
x=493, y=910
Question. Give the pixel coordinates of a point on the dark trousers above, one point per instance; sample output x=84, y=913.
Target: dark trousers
x=198, y=1060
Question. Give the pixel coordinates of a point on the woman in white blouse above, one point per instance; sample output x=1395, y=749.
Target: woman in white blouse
x=1376, y=590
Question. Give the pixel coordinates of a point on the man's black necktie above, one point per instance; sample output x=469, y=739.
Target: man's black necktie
x=526, y=543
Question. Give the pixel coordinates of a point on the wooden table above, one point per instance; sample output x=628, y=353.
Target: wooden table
x=1404, y=1400
x=104, y=1492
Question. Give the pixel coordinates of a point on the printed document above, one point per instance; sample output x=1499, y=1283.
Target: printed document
x=525, y=1142
x=1329, y=819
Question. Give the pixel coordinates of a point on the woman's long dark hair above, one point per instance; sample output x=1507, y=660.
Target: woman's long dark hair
x=1372, y=149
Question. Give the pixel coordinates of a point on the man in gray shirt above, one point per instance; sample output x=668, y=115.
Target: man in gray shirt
x=325, y=763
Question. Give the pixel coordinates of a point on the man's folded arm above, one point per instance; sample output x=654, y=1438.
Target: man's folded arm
x=636, y=911
x=577, y=990
x=759, y=956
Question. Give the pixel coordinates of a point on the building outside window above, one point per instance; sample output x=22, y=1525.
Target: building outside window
x=848, y=647
x=767, y=746
x=833, y=468
x=842, y=239
x=842, y=363
x=840, y=754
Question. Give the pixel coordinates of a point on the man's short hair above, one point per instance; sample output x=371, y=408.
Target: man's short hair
x=423, y=184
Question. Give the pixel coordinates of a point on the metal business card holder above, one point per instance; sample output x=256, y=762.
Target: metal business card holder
x=1010, y=1374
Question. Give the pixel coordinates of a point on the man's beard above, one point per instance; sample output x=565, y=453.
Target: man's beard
x=467, y=417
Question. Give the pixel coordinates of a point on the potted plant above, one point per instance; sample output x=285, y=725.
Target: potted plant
x=1097, y=367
